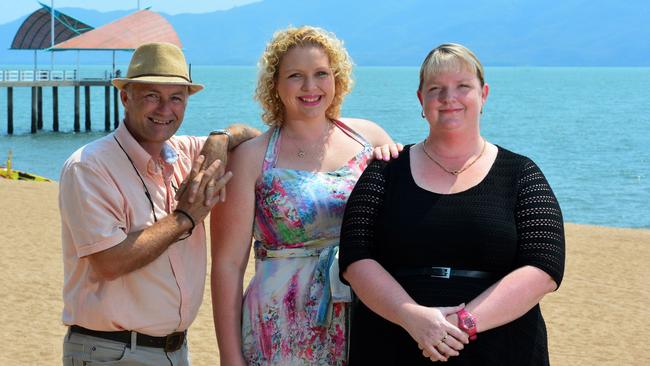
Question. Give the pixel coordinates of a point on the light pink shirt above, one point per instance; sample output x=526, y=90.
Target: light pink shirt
x=102, y=199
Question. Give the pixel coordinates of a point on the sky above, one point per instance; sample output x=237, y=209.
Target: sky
x=12, y=10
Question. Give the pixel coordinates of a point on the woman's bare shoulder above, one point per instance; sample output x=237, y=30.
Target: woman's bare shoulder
x=249, y=154
x=370, y=130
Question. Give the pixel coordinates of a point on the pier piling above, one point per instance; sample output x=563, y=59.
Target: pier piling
x=116, y=108
x=39, y=107
x=34, y=110
x=10, y=110
x=76, y=109
x=107, y=108
x=87, y=106
x=55, y=108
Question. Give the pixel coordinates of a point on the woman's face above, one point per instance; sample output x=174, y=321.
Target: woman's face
x=452, y=99
x=305, y=83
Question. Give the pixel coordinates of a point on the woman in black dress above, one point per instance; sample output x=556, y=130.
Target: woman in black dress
x=451, y=247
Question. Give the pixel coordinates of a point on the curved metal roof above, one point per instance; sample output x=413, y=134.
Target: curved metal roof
x=34, y=33
x=126, y=33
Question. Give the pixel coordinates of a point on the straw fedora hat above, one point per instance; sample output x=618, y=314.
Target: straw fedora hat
x=158, y=63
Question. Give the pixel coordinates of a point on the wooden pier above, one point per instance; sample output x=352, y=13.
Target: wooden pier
x=39, y=80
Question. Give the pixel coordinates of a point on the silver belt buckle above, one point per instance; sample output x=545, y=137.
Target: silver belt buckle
x=445, y=272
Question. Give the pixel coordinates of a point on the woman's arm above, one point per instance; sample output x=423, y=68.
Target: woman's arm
x=373, y=284
x=510, y=298
x=540, y=256
x=231, y=226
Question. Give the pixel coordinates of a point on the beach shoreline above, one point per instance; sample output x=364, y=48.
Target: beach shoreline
x=595, y=318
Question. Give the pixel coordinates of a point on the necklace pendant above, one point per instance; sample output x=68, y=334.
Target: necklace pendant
x=301, y=153
x=453, y=172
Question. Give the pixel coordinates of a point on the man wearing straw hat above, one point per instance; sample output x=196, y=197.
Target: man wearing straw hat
x=134, y=242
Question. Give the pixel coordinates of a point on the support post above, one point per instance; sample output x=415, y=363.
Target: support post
x=116, y=108
x=55, y=108
x=34, y=110
x=10, y=110
x=39, y=98
x=107, y=108
x=76, y=108
x=52, y=35
x=87, y=106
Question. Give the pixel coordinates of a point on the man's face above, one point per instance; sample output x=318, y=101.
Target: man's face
x=153, y=112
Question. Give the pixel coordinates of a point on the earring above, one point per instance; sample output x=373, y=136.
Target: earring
x=423, y=115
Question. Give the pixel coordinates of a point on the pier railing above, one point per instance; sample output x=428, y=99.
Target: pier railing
x=39, y=79
x=38, y=75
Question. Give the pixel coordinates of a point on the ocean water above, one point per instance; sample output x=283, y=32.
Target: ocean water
x=587, y=128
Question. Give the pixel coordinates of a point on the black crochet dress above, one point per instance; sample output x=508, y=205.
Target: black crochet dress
x=509, y=220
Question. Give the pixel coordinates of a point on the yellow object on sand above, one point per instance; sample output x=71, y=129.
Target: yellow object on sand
x=8, y=173
x=18, y=175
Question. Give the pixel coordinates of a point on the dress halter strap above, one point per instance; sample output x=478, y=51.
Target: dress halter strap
x=271, y=155
x=352, y=133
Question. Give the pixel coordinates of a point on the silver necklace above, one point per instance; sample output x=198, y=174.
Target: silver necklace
x=301, y=152
x=458, y=171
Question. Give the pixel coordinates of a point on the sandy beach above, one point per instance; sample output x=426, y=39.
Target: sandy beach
x=596, y=318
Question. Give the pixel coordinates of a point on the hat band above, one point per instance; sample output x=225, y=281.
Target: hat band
x=163, y=75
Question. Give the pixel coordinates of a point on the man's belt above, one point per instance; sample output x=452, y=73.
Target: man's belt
x=172, y=342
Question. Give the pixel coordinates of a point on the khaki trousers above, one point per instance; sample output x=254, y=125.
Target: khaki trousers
x=85, y=350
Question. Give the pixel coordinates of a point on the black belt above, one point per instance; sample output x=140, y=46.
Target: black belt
x=172, y=342
x=443, y=272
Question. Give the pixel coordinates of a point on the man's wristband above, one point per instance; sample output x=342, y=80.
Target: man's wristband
x=184, y=213
x=223, y=132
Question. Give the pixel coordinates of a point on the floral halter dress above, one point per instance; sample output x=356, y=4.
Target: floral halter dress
x=294, y=312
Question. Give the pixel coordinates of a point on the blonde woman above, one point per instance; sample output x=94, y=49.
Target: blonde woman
x=454, y=220
x=288, y=192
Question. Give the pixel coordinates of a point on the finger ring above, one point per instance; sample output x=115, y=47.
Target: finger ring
x=441, y=341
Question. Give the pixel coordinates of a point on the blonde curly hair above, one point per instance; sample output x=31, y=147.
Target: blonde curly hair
x=269, y=65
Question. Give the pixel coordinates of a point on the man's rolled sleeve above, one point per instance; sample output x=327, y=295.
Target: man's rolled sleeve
x=92, y=210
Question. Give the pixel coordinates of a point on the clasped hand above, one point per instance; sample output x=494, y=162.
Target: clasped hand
x=203, y=188
x=436, y=337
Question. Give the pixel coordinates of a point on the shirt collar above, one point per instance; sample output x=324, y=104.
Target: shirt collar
x=142, y=160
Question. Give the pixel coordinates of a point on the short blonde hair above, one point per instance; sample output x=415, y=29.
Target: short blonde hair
x=450, y=56
x=269, y=65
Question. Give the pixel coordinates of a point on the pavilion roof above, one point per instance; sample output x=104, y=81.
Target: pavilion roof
x=35, y=32
x=126, y=33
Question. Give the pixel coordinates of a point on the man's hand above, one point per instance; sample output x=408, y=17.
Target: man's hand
x=203, y=190
x=216, y=147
